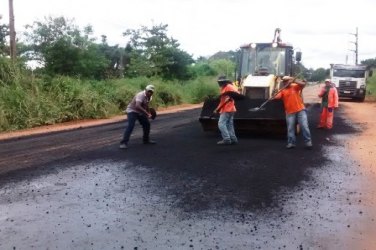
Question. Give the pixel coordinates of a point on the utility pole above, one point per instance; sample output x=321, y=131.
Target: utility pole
x=356, y=46
x=12, y=32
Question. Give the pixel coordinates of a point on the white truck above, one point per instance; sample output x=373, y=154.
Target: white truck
x=350, y=80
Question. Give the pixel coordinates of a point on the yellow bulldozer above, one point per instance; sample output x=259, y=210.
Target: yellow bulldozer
x=260, y=69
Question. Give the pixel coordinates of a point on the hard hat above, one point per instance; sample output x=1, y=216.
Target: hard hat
x=150, y=87
x=223, y=79
x=327, y=80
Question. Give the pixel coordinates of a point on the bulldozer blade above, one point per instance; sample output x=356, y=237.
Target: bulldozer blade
x=270, y=120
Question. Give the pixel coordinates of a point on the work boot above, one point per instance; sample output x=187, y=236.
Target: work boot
x=234, y=142
x=308, y=145
x=123, y=146
x=223, y=142
x=290, y=146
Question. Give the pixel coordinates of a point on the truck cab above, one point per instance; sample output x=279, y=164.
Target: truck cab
x=350, y=80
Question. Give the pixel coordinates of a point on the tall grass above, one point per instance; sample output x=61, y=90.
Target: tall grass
x=28, y=102
x=198, y=90
x=9, y=72
x=371, y=87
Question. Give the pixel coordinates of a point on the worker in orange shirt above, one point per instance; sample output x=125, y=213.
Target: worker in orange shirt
x=329, y=101
x=237, y=84
x=295, y=111
x=226, y=109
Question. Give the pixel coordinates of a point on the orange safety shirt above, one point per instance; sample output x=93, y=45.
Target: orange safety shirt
x=332, y=96
x=292, y=99
x=230, y=105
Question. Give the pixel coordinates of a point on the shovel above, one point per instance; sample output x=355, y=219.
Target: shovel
x=261, y=107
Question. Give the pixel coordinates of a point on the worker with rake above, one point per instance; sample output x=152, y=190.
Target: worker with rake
x=295, y=110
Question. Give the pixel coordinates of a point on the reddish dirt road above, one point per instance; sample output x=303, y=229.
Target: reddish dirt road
x=362, y=148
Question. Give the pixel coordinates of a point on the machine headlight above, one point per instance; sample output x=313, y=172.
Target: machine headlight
x=274, y=45
x=362, y=86
x=253, y=45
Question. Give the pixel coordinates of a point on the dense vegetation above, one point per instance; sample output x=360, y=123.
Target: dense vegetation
x=371, y=87
x=74, y=77
x=28, y=101
x=63, y=73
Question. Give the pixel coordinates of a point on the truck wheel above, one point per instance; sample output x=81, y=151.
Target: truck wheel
x=361, y=99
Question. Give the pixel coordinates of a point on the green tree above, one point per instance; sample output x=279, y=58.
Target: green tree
x=4, y=34
x=202, y=68
x=369, y=62
x=319, y=74
x=115, y=55
x=152, y=53
x=62, y=48
x=223, y=67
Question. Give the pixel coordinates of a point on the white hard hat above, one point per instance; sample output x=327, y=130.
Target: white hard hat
x=150, y=87
x=327, y=80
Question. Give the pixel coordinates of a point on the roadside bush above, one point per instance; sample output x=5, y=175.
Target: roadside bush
x=168, y=94
x=10, y=72
x=200, y=89
x=29, y=102
x=79, y=99
x=123, y=95
x=371, y=86
x=4, y=124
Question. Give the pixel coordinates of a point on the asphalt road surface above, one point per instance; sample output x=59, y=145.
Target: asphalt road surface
x=78, y=190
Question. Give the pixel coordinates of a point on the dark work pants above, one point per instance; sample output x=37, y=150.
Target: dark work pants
x=143, y=120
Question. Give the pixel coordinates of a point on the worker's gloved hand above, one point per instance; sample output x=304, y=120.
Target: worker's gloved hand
x=215, y=111
x=330, y=110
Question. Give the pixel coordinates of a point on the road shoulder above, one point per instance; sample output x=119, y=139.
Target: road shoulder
x=86, y=123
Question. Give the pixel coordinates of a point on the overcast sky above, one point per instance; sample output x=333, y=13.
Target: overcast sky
x=321, y=29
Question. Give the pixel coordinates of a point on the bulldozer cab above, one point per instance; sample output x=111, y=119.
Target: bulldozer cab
x=260, y=66
x=264, y=59
x=260, y=69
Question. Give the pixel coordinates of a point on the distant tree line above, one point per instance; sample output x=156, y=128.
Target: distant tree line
x=59, y=47
x=56, y=46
